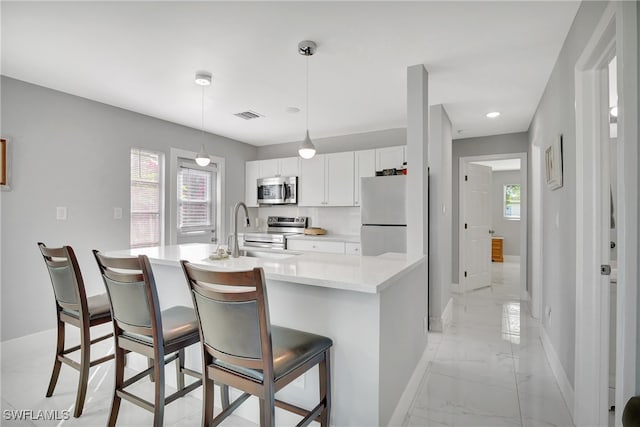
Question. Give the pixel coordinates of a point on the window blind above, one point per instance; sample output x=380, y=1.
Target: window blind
x=146, y=206
x=196, y=187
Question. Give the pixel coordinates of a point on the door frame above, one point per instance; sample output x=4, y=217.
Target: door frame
x=523, y=213
x=617, y=30
x=536, y=288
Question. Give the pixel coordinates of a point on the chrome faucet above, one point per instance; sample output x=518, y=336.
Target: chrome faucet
x=236, y=246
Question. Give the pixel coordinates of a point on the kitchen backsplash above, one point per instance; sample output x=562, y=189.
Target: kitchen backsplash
x=336, y=220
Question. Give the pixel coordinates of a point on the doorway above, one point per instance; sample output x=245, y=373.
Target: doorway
x=615, y=35
x=504, y=251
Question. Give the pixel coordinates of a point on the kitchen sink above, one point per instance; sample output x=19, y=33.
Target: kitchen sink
x=267, y=254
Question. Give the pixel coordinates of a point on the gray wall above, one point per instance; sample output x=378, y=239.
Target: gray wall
x=73, y=152
x=336, y=144
x=496, y=144
x=507, y=228
x=440, y=221
x=556, y=115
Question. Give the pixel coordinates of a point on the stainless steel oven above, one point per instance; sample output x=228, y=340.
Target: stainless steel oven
x=278, y=228
x=279, y=190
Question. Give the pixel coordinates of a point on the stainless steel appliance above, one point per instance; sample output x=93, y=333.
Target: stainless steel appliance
x=279, y=190
x=383, y=214
x=278, y=228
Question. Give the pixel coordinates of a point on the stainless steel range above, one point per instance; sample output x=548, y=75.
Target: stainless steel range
x=278, y=227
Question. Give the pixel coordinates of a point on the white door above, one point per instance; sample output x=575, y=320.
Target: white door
x=290, y=166
x=475, y=223
x=365, y=166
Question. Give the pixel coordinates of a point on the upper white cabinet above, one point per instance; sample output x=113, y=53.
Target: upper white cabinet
x=288, y=166
x=390, y=157
x=252, y=173
x=311, y=182
x=365, y=166
x=327, y=180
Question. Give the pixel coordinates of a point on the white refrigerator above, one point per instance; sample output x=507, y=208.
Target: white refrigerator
x=383, y=213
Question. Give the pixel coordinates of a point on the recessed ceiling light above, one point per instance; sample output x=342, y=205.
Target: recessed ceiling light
x=493, y=114
x=292, y=110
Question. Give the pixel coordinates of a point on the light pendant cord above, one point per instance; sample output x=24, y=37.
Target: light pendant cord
x=307, y=107
x=202, y=115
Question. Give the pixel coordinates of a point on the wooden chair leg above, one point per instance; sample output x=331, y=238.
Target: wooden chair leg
x=56, y=363
x=224, y=396
x=179, y=369
x=208, y=395
x=158, y=405
x=115, y=403
x=325, y=388
x=85, y=362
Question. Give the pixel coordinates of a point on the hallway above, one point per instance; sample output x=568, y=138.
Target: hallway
x=489, y=368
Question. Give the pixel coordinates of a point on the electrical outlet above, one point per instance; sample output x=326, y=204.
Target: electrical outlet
x=117, y=213
x=61, y=213
x=547, y=311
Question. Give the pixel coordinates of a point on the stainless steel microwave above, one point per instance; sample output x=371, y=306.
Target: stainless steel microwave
x=279, y=190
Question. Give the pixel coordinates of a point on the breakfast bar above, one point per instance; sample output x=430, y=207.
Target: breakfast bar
x=372, y=307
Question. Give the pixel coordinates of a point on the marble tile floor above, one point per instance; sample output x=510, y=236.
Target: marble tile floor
x=489, y=368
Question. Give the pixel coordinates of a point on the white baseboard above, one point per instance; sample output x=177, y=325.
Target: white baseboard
x=456, y=288
x=447, y=315
x=404, y=404
x=511, y=258
x=558, y=371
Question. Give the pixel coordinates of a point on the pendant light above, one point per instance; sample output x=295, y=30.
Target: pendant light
x=203, y=78
x=307, y=150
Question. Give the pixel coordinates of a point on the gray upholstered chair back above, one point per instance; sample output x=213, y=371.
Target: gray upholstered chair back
x=228, y=326
x=233, y=315
x=65, y=274
x=131, y=296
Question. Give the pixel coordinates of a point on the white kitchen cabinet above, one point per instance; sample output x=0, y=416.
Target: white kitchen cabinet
x=310, y=245
x=288, y=166
x=339, y=179
x=252, y=173
x=311, y=182
x=326, y=180
x=365, y=166
x=351, y=248
x=390, y=157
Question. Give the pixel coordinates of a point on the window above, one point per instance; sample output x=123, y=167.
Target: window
x=512, y=201
x=196, y=193
x=146, y=198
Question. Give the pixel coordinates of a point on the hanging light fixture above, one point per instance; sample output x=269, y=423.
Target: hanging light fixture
x=307, y=150
x=203, y=78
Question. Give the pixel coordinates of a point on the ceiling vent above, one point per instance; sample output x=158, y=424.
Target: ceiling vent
x=248, y=115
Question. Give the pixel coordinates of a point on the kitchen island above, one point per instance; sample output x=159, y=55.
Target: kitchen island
x=374, y=309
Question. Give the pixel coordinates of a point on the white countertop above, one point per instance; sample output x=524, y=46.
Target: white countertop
x=348, y=238
x=367, y=274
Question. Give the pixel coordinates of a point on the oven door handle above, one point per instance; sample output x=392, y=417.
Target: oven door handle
x=258, y=245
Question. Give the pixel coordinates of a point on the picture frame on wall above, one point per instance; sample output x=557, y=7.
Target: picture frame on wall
x=553, y=163
x=3, y=162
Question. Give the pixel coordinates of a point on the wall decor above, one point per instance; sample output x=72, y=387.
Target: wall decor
x=3, y=162
x=553, y=162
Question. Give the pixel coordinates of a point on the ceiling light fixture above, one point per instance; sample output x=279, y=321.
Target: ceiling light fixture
x=203, y=78
x=307, y=150
x=493, y=114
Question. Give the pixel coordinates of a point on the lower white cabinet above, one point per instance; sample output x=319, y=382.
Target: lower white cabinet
x=352, y=248
x=331, y=247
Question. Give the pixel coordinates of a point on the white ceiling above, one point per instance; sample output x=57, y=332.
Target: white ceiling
x=142, y=56
x=501, y=165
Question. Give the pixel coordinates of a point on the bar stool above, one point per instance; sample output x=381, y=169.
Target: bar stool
x=74, y=308
x=240, y=347
x=140, y=326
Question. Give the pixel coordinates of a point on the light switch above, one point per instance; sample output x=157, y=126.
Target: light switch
x=117, y=213
x=61, y=213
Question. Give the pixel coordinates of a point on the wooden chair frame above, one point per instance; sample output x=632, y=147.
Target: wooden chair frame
x=113, y=268
x=200, y=281
x=61, y=257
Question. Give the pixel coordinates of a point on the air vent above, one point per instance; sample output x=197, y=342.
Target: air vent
x=248, y=115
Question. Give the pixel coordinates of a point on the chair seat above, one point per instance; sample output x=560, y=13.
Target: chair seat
x=178, y=323
x=291, y=348
x=98, y=306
